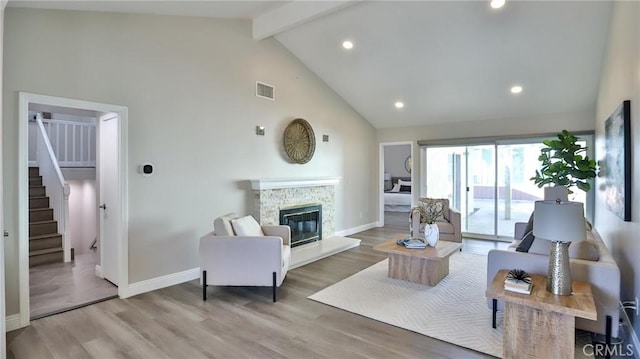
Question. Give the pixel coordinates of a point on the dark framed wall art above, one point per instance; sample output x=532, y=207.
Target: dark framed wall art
x=617, y=165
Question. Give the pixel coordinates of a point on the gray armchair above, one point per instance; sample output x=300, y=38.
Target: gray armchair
x=449, y=225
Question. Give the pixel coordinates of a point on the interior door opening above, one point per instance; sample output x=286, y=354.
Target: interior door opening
x=396, y=185
x=70, y=139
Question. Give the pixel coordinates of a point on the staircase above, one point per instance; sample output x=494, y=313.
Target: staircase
x=45, y=243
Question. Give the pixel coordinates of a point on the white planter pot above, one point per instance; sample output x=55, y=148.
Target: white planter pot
x=431, y=234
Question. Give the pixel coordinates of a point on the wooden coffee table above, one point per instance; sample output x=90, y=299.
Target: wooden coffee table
x=423, y=266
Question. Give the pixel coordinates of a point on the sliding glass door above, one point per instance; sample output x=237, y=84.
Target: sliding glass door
x=466, y=176
x=488, y=183
x=517, y=163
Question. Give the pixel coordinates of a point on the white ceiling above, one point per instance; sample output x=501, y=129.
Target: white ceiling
x=202, y=8
x=446, y=60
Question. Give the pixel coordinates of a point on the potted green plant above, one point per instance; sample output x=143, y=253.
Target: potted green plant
x=564, y=163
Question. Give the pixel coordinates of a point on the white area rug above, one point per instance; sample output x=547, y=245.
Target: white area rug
x=454, y=311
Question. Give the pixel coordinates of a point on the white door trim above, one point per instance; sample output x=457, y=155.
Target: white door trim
x=3, y=298
x=23, y=199
x=381, y=177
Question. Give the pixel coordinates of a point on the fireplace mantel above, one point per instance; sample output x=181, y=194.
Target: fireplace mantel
x=272, y=194
x=275, y=183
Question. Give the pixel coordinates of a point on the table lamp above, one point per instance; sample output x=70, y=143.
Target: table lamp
x=561, y=223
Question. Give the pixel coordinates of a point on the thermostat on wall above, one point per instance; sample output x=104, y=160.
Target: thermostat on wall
x=146, y=169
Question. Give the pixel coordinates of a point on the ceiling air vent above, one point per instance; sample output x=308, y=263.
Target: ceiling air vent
x=265, y=91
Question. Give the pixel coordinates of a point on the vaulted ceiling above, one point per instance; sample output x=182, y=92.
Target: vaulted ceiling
x=444, y=60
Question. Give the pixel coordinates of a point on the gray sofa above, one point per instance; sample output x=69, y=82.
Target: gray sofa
x=603, y=274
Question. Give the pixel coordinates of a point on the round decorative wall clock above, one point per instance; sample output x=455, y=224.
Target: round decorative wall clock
x=299, y=141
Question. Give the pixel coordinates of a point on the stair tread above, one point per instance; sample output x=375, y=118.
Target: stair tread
x=45, y=236
x=45, y=251
x=39, y=209
x=44, y=222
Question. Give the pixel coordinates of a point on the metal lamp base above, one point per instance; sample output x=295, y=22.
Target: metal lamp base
x=559, y=279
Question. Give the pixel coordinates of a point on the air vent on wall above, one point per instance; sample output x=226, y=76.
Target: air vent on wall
x=265, y=91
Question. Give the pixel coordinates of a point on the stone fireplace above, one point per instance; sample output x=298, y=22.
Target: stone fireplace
x=273, y=195
x=305, y=222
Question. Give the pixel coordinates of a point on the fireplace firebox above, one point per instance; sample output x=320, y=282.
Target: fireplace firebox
x=305, y=222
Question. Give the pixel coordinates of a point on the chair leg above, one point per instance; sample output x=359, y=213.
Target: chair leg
x=274, y=287
x=607, y=339
x=495, y=312
x=204, y=285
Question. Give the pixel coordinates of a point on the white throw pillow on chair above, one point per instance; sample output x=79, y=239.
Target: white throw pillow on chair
x=247, y=226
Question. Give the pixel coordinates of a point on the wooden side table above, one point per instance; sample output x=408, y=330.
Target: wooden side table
x=541, y=325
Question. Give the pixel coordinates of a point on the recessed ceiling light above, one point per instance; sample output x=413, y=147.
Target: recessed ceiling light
x=516, y=89
x=347, y=44
x=496, y=4
x=399, y=104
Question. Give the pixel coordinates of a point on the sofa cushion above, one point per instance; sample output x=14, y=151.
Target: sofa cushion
x=514, y=245
x=247, y=226
x=222, y=225
x=528, y=238
x=587, y=250
x=439, y=202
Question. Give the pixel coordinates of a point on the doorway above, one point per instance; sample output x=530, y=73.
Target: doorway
x=396, y=184
x=117, y=254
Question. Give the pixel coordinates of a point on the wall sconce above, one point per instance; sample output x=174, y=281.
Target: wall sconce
x=260, y=130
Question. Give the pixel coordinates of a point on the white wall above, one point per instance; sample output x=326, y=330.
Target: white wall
x=620, y=81
x=83, y=214
x=189, y=85
x=394, y=157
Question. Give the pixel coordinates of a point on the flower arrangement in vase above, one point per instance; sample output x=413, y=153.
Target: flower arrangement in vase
x=430, y=210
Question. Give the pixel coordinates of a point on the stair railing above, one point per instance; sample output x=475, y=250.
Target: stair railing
x=72, y=142
x=57, y=188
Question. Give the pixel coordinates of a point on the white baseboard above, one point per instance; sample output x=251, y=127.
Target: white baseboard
x=13, y=322
x=350, y=231
x=161, y=282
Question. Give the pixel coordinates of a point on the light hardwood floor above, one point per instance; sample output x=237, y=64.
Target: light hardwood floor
x=57, y=287
x=235, y=322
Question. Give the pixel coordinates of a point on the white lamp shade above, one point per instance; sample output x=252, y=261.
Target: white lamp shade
x=387, y=176
x=559, y=222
